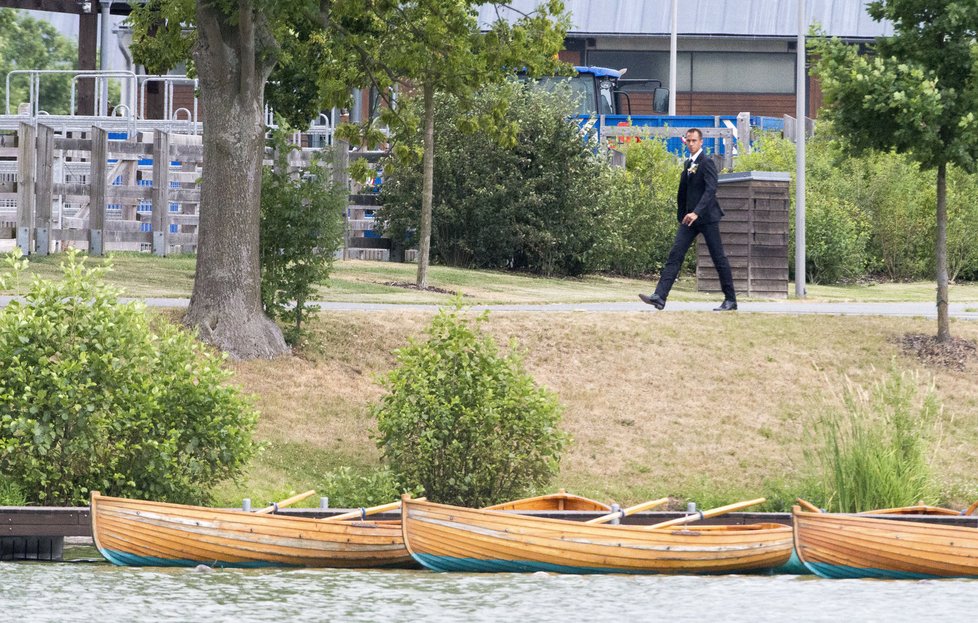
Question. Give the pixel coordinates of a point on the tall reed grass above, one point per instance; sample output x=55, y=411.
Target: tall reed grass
x=874, y=453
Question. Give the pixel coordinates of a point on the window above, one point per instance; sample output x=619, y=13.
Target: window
x=743, y=72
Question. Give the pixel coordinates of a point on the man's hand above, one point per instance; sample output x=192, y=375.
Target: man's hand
x=689, y=219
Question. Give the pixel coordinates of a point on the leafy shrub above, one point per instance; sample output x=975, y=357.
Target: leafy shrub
x=91, y=398
x=962, y=214
x=301, y=229
x=464, y=421
x=347, y=488
x=638, y=218
x=873, y=454
x=10, y=493
x=527, y=200
x=837, y=234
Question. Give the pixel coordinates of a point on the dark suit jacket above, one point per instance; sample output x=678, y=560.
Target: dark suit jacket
x=698, y=191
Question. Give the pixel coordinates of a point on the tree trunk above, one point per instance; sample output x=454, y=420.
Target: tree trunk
x=226, y=303
x=943, y=322
x=427, y=186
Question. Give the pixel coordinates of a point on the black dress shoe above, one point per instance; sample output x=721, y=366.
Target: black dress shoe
x=727, y=305
x=655, y=300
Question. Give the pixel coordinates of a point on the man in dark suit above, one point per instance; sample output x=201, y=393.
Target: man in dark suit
x=698, y=213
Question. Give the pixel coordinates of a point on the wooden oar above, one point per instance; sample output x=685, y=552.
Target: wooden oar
x=361, y=513
x=292, y=500
x=808, y=506
x=628, y=511
x=713, y=512
x=971, y=509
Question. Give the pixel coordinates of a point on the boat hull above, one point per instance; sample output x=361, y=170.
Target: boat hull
x=144, y=533
x=450, y=538
x=837, y=545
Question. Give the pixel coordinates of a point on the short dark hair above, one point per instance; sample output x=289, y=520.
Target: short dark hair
x=699, y=133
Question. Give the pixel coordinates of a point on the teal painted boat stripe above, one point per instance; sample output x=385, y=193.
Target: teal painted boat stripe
x=475, y=565
x=838, y=572
x=124, y=559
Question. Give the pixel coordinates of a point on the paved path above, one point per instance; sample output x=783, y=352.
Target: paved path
x=965, y=311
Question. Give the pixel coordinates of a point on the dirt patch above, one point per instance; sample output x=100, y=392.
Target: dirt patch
x=954, y=354
x=414, y=286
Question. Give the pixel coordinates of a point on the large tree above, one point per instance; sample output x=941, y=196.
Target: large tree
x=236, y=46
x=915, y=92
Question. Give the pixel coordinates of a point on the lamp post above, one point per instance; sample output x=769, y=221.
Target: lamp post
x=800, y=127
x=672, y=58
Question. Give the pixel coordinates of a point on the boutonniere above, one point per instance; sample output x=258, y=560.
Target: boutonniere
x=692, y=168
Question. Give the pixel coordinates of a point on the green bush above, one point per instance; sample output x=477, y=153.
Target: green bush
x=92, y=398
x=962, y=214
x=347, y=488
x=10, y=493
x=637, y=222
x=526, y=201
x=873, y=454
x=301, y=229
x=837, y=234
x=465, y=422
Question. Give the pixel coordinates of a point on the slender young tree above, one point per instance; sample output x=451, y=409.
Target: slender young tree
x=916, y=92
x=438, y=46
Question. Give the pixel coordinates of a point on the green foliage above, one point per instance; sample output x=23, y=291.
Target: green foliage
x=962, y=235
x=160, y=37
x=347, y=488
x=898, y=198
x=91, y=398
x=464, y=421
x=28, y=43
x=10, y=493
x=874, y=453
x=637, y=222
x=530, y=203
x=301, y=229
x=836, y=235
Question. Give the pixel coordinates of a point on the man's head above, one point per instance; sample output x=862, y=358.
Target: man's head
x=694, y=140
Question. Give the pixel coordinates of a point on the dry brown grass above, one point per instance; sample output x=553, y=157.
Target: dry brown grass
x=656, y=403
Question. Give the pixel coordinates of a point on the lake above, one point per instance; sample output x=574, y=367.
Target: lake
x=91, y=591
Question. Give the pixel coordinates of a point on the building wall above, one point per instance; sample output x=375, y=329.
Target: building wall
x=715, y=76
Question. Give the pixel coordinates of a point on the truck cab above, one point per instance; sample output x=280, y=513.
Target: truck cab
x=603, y=91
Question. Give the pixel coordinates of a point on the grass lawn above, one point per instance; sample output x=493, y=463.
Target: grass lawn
x=144, y=275
x=693, y=405
x=699, y=406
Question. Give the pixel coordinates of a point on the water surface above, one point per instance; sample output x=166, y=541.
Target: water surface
x=93, y=591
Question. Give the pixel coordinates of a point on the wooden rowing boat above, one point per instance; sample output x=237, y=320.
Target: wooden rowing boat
x=145, y=533
x=841, y=545
x=452, y=538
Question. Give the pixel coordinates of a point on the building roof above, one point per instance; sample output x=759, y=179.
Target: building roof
x=740, y=18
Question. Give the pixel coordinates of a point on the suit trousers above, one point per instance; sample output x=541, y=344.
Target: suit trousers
x=684, y=238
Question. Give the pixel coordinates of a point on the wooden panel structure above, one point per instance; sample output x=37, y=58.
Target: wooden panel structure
x=755, y=235
x=452, y=538
x=99, y=185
